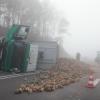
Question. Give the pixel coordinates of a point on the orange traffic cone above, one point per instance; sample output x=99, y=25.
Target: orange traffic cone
x=90, y=83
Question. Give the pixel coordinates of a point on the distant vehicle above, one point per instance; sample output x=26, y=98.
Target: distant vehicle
x=97, y=59
x=78, y=56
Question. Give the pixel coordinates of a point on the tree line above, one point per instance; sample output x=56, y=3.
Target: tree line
x=46, y=22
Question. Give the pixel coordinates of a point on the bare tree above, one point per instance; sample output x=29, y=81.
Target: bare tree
x=45, y=21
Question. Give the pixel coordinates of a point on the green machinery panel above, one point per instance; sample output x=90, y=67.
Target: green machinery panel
x=11, y=32
x=7, y=55
x=24, y=64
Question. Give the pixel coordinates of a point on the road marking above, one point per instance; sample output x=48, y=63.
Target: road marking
x=96, y=82
x=15, y=76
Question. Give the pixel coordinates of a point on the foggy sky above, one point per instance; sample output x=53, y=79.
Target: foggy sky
x=84, y=19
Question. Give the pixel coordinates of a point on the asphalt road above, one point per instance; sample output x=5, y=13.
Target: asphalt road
x=76, y=91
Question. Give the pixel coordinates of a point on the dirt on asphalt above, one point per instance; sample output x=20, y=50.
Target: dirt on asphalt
x=64, y=72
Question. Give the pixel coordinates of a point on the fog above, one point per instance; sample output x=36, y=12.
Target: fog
x=81, y=18
x=84, y=27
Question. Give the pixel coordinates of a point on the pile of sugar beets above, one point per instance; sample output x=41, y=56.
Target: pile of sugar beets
x=65, y=72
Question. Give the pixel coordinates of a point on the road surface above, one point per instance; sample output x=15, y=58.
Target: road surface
x=76, y=91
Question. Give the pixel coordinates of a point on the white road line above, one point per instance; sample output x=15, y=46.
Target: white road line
x=15, y=75
x=96, y=82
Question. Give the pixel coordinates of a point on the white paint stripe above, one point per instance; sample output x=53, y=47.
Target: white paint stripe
x=8, y=75
x=15, y=75
x=96, y=82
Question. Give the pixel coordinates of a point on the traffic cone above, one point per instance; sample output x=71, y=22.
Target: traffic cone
x=90, y=83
